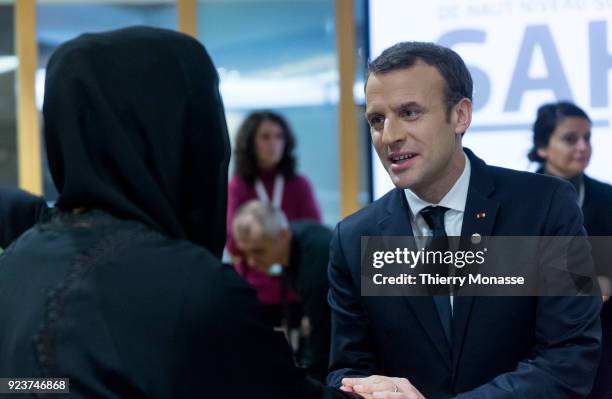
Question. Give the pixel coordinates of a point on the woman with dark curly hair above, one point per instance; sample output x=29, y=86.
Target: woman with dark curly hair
x=264, y=169
x=562, y=146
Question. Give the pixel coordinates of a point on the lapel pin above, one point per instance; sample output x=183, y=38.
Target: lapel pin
x=476, y=238
x=481, y=215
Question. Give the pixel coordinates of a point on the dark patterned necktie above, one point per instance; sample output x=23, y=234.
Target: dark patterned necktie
x=434, y=217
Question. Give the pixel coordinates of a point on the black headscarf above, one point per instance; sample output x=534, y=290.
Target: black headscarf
x=134, y=125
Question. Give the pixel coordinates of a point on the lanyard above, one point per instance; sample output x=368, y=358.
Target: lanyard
x=277, y=192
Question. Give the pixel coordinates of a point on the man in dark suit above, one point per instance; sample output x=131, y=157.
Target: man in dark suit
x=418, y=105
x=301, y=249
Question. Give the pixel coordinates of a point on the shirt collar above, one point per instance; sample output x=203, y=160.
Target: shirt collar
x=455, y=198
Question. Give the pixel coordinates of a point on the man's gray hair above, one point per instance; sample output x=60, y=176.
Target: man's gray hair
x=271, y=219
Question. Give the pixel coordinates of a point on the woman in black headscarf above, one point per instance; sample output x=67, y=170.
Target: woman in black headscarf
x=121, y=289
x=562, y=146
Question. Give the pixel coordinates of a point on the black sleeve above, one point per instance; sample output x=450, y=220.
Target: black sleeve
x=235, y=352
x=312, y=286
x=352, y=352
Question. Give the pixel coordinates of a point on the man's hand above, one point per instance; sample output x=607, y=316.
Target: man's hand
x=378, y=386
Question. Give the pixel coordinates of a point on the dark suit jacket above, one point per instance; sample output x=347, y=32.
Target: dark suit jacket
x=597, y=207
x=503, y=347
x=19, y=210
x=597, y=210
x=307, y=274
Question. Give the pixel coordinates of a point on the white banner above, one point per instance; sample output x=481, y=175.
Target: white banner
x=521, y=53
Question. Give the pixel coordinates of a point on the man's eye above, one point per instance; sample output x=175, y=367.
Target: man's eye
x=376, y=121
x=409, y=113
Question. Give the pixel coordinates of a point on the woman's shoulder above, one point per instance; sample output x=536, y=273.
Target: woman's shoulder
x=203, y=281
x=598, y=189
x=186, y=270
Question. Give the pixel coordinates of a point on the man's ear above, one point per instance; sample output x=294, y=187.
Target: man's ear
x=462, y=115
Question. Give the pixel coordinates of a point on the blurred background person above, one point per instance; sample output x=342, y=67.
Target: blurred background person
x=562, y=146
x=120, y=289
x=19, y=210
x=265, y=237
x=265, y=169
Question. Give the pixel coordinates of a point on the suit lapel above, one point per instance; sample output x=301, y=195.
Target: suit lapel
x=478, y=218
x=396, y=221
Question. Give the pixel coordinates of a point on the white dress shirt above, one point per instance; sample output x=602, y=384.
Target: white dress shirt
x=454, y=200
